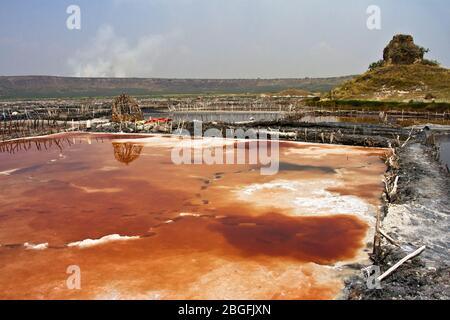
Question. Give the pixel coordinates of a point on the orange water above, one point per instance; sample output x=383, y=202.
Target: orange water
x=201, y=234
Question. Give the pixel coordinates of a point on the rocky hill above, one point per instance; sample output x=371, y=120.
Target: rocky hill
x=402, y=75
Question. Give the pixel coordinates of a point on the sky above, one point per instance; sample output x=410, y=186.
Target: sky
x=212, y=38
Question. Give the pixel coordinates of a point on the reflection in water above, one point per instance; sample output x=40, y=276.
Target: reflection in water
x=127, y=152
x=61, y=142
x=47, y=143
x=39, y=144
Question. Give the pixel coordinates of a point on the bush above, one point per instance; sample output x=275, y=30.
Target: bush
x=433, y=63
x=376, y=65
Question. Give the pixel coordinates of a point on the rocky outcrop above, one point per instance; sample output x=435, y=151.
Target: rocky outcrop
x=402, y=50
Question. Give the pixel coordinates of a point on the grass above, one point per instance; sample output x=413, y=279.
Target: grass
x=398, y=83
x=374, y=105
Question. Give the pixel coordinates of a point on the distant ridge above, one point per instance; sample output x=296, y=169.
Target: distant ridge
x=58, y=87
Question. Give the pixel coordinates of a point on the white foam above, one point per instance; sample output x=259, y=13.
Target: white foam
x=180, y=141
x=320, y=152
x=305, y=197
x=8, y=172
x=95, y=190
x=185, y=214
x=327, y=202
x=30, y=246
x=110, y=238
x=189, y=214
x=116, y=292
x=279, y=184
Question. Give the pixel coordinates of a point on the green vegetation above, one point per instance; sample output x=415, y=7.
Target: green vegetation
x=398, y=83
x=376, y=65
x=294, y=92
x=27, y=87
x=433, y=63
x=371, y=105
x=382, y=63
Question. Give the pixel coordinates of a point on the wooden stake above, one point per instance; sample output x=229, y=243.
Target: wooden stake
x=393, y=192
x=398, y=264
x=391, y=240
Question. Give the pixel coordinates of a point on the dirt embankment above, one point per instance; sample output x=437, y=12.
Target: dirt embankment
x=361, y=134
x=419, y=216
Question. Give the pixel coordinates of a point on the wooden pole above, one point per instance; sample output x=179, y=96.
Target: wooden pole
x=398, y=264
x=389, y=238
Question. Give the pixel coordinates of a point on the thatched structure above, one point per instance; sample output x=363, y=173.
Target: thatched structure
x=126, y=109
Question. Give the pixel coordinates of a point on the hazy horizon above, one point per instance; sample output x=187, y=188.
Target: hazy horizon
x=199, y=39
x=174, y=78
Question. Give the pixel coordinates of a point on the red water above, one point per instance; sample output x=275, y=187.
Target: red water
x=76, y=187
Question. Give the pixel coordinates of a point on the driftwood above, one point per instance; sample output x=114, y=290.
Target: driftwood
x=393, y=191
x=389, y=238
x=393, y=159
x=402, y=261
x=407, y=140
x=391, y=187
x=277, y=133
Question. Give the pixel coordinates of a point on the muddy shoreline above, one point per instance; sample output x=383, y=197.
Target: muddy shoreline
x=419, y=215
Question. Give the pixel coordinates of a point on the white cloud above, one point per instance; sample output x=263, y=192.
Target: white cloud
x=110, y=55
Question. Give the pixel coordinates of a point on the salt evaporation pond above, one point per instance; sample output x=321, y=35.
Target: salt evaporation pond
x=140, y=227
